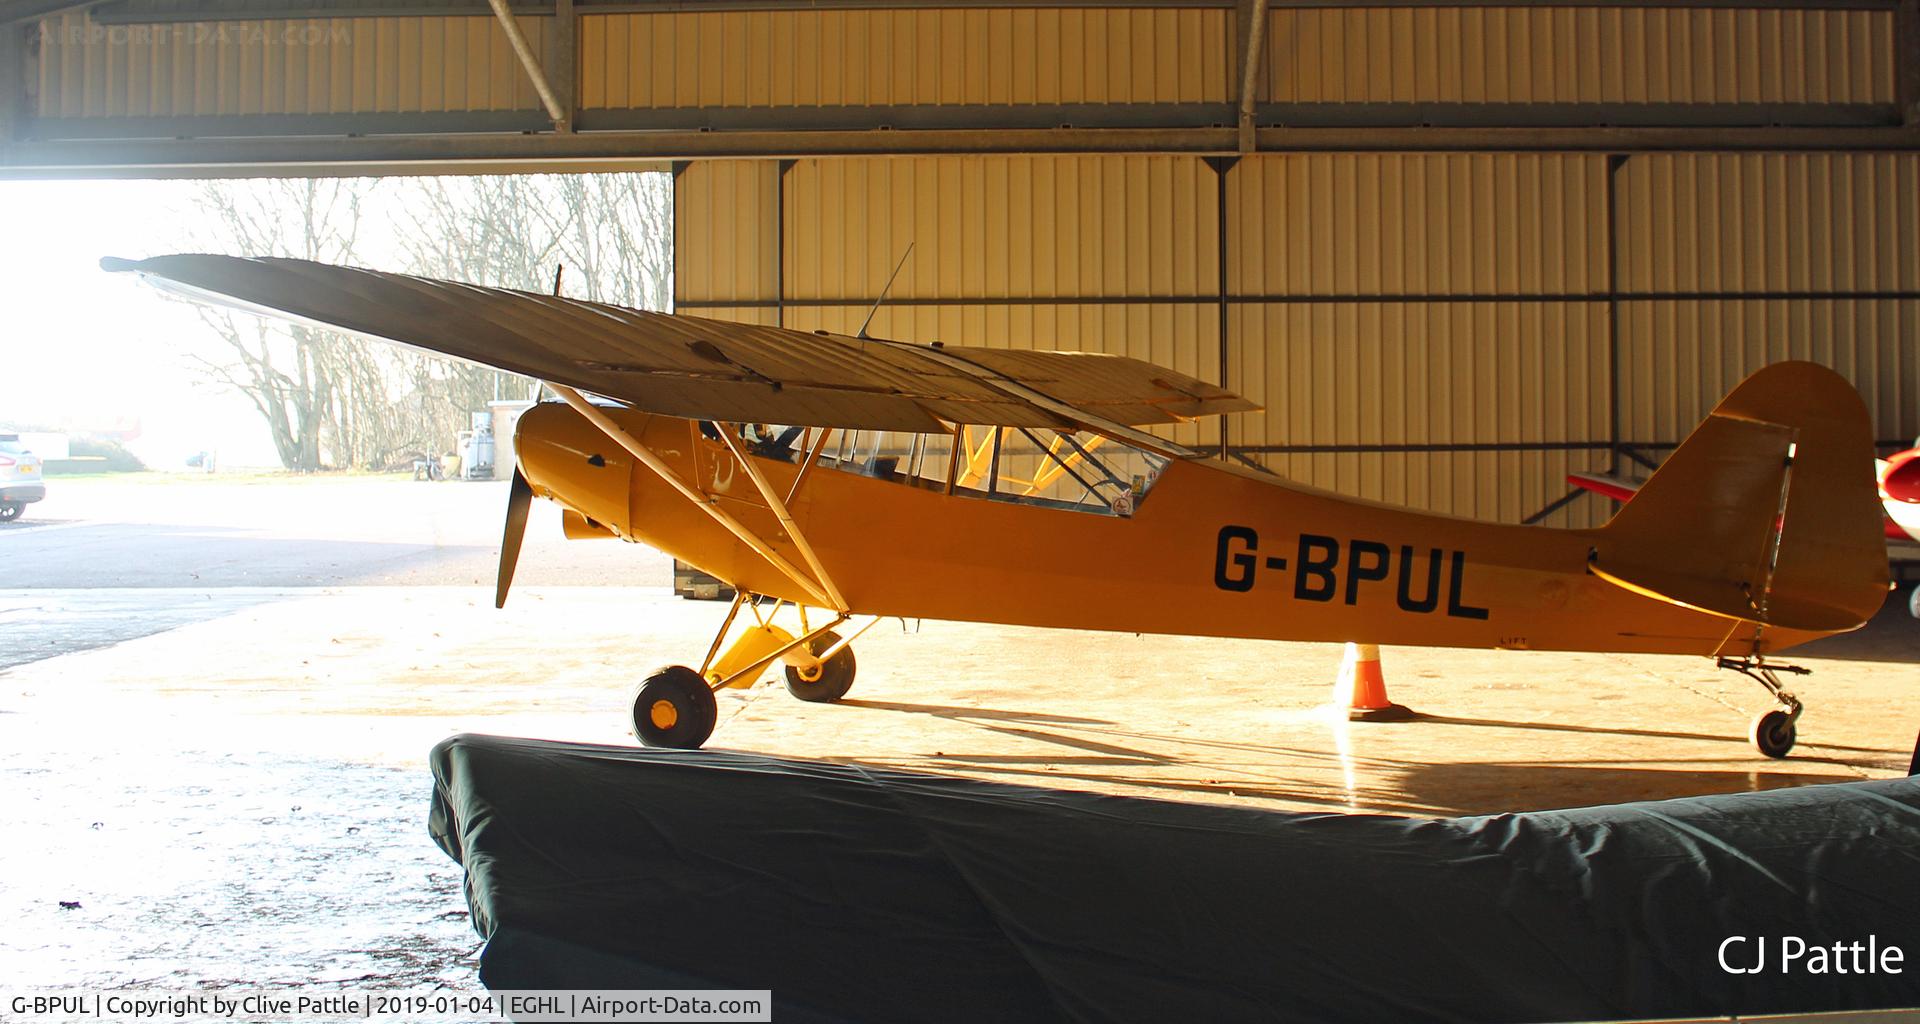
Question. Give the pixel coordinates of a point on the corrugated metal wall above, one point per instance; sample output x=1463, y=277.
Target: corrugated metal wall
x=1520, y=54
x=906, y=57
x=1449, y=64
x=1433, y=330
x=1352, y=325
x=726, y=229
x=1732, y=261
x=1002, y=228
x=291, y=66
x=1110, y=254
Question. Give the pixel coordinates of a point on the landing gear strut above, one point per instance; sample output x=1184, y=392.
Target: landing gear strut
x=667, y=712
x=1772, y=731
x=676, y=706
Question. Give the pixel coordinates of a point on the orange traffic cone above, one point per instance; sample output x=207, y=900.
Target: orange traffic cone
x=1363, y=690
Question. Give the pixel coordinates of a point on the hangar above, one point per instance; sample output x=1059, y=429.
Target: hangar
x=1456, y=251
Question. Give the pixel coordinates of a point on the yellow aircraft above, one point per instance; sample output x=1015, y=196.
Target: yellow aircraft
x=1015, y=487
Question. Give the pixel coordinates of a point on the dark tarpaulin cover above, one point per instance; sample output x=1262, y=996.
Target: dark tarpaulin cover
x=859, y=894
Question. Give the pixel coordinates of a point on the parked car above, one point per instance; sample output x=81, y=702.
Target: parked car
x=20, y=482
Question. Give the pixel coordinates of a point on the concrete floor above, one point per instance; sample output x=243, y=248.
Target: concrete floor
x=216, y=698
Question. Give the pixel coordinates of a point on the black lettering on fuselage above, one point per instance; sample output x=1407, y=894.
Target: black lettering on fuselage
x=1315, y=567
x=1366, y=560
x=1455, y=606
x=1432, y=600
x=1233, y=570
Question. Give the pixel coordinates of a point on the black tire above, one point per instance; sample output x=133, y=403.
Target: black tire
x=10, y=510
x=674, y=709
x=835, y=676
x=1773, y=733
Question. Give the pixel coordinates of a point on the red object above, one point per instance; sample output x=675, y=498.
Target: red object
x=1364, y=688
x=1607, y=486
x=1909, y=478
x=1902, y=482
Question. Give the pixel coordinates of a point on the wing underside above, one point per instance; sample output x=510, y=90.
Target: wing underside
x=698, y=368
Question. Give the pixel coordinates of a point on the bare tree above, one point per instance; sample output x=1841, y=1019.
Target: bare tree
x=298, y=377
x=613, y=233
x=622, y=237
x=335, y=400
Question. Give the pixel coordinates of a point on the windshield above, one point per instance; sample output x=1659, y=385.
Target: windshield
x=12, y=448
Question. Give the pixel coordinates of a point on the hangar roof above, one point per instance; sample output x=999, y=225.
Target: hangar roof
x=339, y=86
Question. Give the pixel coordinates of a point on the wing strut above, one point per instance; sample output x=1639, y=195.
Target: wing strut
x=648, y=459
x=779, y=507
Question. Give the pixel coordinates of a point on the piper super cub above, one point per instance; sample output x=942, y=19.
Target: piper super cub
x=863, y=478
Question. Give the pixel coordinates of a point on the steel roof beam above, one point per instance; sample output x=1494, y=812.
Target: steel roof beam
x=123, y=12
x=562, y=117
x=441, y=153
x=563, y=52
x=1253, y=32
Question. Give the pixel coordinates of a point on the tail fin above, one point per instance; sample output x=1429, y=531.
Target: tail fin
x=1767, y=513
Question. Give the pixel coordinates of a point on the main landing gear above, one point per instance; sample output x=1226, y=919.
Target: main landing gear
x=676, y=707
x=1772, y=731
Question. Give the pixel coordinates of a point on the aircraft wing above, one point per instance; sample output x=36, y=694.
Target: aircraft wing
x=698, y=368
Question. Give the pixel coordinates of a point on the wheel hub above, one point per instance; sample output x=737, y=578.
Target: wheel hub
x=663, y=714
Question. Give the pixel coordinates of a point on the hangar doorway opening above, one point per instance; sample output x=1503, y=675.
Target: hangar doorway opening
x=213, y=390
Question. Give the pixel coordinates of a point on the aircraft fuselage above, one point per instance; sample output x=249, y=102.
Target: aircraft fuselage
x=1212, y=550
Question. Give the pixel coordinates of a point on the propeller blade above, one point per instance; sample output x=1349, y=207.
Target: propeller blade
x=519, y=502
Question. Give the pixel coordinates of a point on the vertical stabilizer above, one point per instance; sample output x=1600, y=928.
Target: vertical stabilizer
x=1767, y=512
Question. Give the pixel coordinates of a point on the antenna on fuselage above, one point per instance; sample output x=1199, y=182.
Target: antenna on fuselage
x=559, y=273
x=864, y=324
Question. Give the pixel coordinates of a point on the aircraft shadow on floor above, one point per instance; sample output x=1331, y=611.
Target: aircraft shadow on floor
x=1319, y=777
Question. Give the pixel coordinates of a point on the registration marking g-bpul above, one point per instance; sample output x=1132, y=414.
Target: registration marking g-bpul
x=1321, y=574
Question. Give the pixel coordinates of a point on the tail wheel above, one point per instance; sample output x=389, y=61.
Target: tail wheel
x=829, y=680
x=1773, y=732
x=674, y=709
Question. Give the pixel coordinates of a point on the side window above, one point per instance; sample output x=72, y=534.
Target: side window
x=920, y=459
x=1077, y=472
x=1055, y=469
